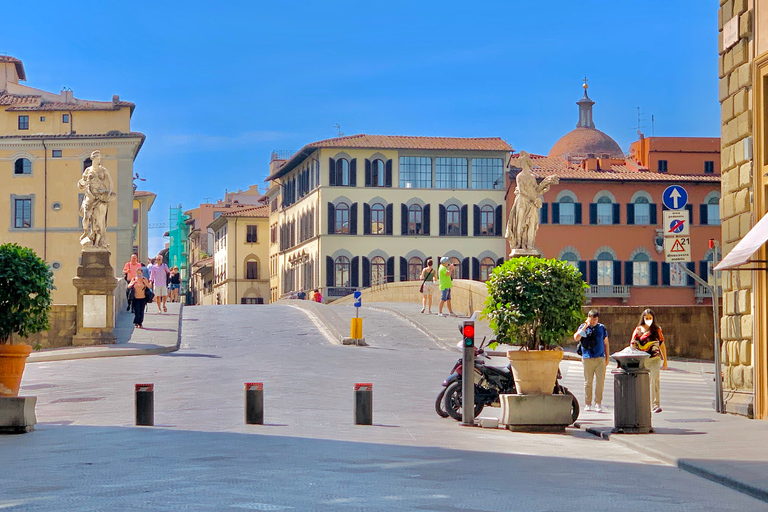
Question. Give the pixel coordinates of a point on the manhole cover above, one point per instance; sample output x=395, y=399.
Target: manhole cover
x=78, y=399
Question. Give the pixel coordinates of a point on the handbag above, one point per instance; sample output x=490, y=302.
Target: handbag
x=149, y=295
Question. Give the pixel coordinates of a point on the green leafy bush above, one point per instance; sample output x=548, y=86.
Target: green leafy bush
x=534, y=302
x=25, y=292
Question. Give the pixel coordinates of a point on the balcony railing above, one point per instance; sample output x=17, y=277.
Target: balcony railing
x=340, y=291
x=608, y=291
x=702, y=292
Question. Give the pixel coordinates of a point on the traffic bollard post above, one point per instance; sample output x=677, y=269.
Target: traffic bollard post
x=254, y=403
x=363, y=403
x=145, y=405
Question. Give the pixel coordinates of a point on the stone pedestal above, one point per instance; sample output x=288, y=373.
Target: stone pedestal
x=519, y=253
x=17, y=414
x=95, y=283
x=536, y=413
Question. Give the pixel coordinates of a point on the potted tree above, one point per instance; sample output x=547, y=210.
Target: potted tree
x=25, y=300
x=534, y=303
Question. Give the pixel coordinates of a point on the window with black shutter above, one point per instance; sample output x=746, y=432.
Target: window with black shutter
x=464, y=220
x=251, y=234
x=389, y=219
x=425, y=225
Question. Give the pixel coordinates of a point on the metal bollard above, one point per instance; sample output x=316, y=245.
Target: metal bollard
x=363, y=403
x=145, y=405
x=254, y=403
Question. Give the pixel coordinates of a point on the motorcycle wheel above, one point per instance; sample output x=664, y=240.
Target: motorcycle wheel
x=439, y=404
x=452, y=402
x=574, y=405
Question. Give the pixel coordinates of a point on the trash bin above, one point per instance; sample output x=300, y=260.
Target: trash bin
x=631, y=393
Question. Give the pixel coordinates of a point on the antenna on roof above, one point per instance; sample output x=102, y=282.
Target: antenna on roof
x=653, y=126
x=338, y=130
x=640, y=119
x=207, y=200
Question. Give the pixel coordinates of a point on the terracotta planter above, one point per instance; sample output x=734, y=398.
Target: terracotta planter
x=535, y=371
x=13, y=358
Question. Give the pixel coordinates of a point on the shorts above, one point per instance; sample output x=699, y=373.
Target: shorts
x=174, y=287
x=445, y=294
x=160, y=291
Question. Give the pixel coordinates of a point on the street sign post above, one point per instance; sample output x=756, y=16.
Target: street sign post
x=676, y=222
x=358, y=299
x=675, y=197
x=677, y=249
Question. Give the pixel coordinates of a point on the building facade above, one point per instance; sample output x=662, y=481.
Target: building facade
x=356, y=211
x=142, y=203
x=606, y=214
x=46, y=140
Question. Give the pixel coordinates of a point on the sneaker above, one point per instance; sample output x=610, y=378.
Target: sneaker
x=657, y=409
x=441, y=314
x=454, y=314
x=598, y=408
x=587, y=407
x=422, y=310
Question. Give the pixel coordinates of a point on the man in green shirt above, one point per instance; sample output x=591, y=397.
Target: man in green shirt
x=445, y=286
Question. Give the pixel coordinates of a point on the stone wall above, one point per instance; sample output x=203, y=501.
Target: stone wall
x=735, y=94
x=63, y=320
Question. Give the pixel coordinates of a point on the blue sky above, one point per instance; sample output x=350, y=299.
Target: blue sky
x=218, y=86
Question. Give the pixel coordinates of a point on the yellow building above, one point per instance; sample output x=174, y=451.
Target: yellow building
x=142, y=202
x=240, y=251
x=355, y=211
x=46, y=140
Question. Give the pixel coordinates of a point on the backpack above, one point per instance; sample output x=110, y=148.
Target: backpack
x=589, y=341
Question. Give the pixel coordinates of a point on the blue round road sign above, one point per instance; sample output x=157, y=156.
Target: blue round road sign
x=676, y=226
x=675, y=197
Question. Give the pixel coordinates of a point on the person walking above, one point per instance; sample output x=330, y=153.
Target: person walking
x=649, y=338
x=175, y=285
x=139, y=284
x=317, y=296
x=129, y=272
x=595, y=352
x=428, y=278
x=444, y=276
x=158, y=276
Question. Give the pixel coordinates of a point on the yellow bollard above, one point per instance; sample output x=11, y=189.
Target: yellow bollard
x=356, y=328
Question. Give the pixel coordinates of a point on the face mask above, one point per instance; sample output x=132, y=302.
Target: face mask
x=648, y=322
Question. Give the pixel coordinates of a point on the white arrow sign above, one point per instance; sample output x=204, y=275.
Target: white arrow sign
x=675, y=195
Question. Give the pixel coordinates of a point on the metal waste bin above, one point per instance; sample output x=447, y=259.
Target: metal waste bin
x=631, y=393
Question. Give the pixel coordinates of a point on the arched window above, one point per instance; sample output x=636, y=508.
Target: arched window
x=87, y=163
x=605, y=268
x=713, y=210
x=604, y=210
x=642, y=211
x=342, y=218
x=453, y=220
x=377, y=173
x=342, y=172
x=342, y=271
x=641, y=269
x=487, y=219
x=414, y=268
x=567, y=208
x=22, y=166
x=252, y=269
x=415, y=220
x=486, y=267
x=378, y=270
x=456, y=267
x=377, y=219
x=571, y=258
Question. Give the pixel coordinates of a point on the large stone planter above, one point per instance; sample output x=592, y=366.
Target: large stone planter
x=535, y=371
x=13, y=359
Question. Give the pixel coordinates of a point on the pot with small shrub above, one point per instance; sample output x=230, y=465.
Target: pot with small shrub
x=26, y=283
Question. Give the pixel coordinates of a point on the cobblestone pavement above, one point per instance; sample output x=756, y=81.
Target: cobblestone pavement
x=86, y=455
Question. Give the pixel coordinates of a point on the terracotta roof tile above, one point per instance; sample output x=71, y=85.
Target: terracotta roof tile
x=54, y=106
x=143, y=193
x=17, y=63
x=256, y=211
x=408, y=142
x=19, y=99
x=47, y=136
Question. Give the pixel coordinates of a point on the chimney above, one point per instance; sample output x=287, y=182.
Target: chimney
x=66, y=95
x=115, y=98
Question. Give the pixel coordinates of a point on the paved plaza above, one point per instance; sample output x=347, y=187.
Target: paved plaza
x=86, y=454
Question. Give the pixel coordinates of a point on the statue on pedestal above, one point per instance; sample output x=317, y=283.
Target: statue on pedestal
x=97, y=185
x=523, y=219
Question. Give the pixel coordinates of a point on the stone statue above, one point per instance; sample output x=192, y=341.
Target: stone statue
x=523, y=219
x=97, y=184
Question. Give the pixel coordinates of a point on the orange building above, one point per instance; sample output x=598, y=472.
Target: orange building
x=605, y=215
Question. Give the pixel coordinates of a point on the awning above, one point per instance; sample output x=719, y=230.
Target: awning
x=744, y=250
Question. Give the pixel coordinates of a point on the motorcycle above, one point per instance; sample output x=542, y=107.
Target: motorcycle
x=490, y=382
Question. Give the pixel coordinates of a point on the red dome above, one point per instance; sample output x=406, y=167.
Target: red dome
x=584, y=141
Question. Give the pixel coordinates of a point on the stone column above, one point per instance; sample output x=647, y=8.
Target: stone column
x=95, y=284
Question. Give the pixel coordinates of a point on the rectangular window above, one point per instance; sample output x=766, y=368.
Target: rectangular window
x=23, y=122
x=642, y=214
x=713, y=214
x=55, y=153
x=641, y=275
x=42, y=119
x=250, y=236
x=677, y=276
x=216, y=215
x=451, y=173
x=252, y=270
x=251, y=300
x=605, y=213
x=22, y=214
x=567, y=213
x=136, y=215
x=415, y=172
x=709, y=167
x=605, y=273
x=487, y=173
x=65, y=118
x=662, y=166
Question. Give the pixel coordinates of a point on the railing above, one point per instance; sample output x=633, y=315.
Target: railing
x=702, y=292
x=340, y=291
x=381, y=283
x=608, y=291
x=282, y=154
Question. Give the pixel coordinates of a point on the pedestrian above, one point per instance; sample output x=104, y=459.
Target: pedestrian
x=595, y=352
x=175, y=285
x=428, y=278
x=316, y=296
x=302, y=294
x=139, y=284
x=158, y=276
x=649, y=338
x=129, y=272
x=444, y=276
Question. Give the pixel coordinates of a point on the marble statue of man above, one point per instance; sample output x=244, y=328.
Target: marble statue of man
x=97, y=186
x=523, y=219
